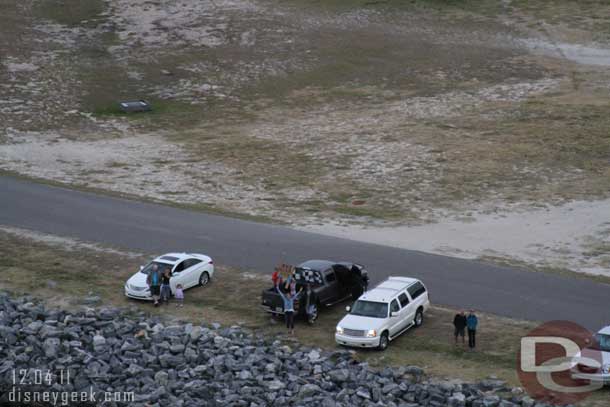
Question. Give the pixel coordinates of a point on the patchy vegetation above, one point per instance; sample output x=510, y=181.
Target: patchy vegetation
x=345, y=110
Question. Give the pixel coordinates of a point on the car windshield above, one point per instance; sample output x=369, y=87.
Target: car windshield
x=602, y=342
x=150, y=265
x=370, y=309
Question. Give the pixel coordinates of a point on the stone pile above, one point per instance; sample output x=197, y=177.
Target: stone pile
x=110, y=351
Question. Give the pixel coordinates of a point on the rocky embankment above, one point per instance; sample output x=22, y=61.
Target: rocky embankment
x=117, y=352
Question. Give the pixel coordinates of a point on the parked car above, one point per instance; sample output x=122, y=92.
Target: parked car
x=383, y=313
x=600, y=352
x=332, y=282
x=188, y=269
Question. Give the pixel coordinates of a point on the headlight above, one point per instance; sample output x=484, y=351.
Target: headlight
x=339, y=330
x=371, y=333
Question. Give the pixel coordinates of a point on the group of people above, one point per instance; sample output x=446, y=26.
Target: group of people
x=159, y=284
x=463, y=323
x=291, y=294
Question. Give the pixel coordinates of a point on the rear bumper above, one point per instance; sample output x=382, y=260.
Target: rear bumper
x=357, y=342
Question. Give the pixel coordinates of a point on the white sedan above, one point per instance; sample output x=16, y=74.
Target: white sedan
x=188, y=269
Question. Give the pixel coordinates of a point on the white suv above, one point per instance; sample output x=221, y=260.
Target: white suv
x=382, y=314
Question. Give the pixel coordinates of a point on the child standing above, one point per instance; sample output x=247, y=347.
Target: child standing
x=179, y=296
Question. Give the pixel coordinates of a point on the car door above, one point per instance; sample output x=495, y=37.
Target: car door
x=328, y=293
x=394, y=317
x=179, y=276
x=192, y=268
x=407, y=312
x=418, y=295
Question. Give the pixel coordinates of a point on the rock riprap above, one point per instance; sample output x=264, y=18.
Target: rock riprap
x=102, y=351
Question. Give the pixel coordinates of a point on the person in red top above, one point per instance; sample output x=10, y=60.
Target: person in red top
x=276, y=278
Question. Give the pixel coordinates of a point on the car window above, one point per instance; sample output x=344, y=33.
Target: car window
x=191, y=262
x=404, y=300
x=146, y=269
x=602, y=342
x=416, y=290
x=330, y=277
x=370, y=309
x=180, y=267
x=394, y=306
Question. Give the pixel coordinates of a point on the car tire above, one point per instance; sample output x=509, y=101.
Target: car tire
x=419, y=318
x=384, y=341
x=204, y=278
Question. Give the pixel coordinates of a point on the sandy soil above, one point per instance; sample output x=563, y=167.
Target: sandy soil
x=575, y=236
x=65, y=243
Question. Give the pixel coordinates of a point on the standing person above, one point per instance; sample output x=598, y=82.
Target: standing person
x=311, y=300
x=459, y=323
x=166, y=291
x=179, y=295
x=363, y=277
x=154, y=283
x=276, y=278
x=472, y=321
x=288, y=299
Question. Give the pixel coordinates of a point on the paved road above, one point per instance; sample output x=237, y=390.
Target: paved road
x=259, y=247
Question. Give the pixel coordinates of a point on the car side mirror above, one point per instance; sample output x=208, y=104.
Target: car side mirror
x=141, y=268
x=348, y=308
x=393, y=314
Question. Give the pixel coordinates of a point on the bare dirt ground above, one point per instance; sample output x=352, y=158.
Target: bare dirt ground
x=345, y=112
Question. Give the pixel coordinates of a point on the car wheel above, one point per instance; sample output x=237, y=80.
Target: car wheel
x=419, y=318
x=204, y=278
x=384, y=341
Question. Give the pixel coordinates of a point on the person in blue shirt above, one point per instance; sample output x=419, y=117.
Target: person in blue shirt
x=288, y=299
x=154, y=283
x=472, y=322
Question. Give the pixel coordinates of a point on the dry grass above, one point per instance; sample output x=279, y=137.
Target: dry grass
x=64, y=276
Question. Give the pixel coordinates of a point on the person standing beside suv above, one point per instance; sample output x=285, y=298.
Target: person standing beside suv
x=472, y=322
x=459, y=323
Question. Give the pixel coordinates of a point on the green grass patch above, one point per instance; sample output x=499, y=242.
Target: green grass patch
x=71, y=13
x=164, y=112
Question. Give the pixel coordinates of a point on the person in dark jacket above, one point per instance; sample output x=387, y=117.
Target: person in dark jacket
x=459, y=323
x=472, y=323
x=166, y=291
